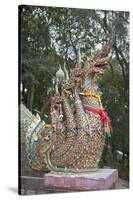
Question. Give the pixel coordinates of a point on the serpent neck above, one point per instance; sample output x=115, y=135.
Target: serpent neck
x=90, y=87
x=80, y=114
x=70, y=121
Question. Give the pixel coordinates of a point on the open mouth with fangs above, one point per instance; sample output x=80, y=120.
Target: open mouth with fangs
x=100, y=68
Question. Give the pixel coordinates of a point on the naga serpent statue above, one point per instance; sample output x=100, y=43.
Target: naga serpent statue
x=75, y=139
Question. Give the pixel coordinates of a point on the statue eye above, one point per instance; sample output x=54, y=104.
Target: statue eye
x=48, y=137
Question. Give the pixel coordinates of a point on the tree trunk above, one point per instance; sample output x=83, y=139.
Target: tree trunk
x=121, y=64
x=46, y=104
x=30, y=97
x=113, y=147
x=123, y=151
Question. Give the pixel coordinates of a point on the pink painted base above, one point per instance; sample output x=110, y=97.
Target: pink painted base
x=100, y=180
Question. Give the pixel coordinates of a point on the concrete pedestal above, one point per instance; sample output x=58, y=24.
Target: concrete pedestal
x=101, y=179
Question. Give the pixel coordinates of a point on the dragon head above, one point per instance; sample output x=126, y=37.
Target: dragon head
x=76, y=73
x=97, y=64
x=46, y=138
x=74, y=81
x=56, y=100
x=68, y=86
x=39, y=142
